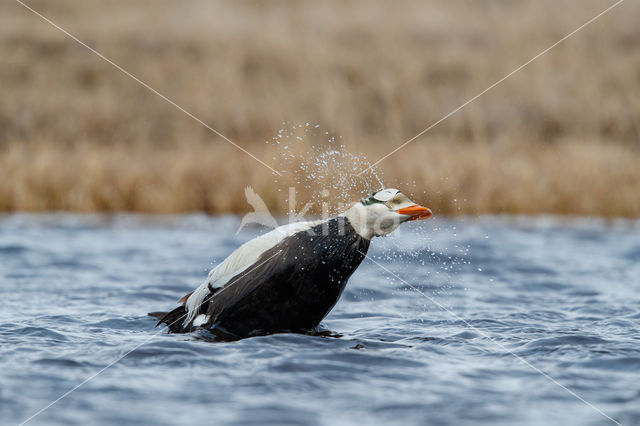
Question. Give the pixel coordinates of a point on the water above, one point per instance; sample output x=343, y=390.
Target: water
x=564, y=296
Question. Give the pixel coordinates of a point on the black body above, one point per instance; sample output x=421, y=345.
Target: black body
x=291, y=287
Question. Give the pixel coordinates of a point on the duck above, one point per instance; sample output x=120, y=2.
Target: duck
x=289, y=279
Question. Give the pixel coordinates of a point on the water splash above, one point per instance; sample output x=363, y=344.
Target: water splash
x=322, y=170
x=324, y=174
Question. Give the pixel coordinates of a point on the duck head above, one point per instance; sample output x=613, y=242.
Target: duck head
x=381, y=212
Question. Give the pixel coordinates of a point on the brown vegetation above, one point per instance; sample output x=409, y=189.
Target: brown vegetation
x=560, y=136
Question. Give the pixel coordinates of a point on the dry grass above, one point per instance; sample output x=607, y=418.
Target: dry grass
x=562, y=136
x=570, y=178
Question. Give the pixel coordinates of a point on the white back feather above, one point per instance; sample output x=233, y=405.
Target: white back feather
x=243, y=257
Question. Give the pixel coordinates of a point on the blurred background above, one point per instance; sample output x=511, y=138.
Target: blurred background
x=561, y=136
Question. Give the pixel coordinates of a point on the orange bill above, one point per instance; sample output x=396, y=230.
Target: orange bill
x=416, y=212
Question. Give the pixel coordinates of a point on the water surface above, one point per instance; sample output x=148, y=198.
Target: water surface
x=561, y=295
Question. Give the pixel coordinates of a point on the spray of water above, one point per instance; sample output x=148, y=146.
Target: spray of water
x=322, y=169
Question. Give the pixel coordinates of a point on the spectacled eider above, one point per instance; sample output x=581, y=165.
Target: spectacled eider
x=291, y=277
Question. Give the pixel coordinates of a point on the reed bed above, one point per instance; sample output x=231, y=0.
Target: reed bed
x=561, y=136
x=568, y=178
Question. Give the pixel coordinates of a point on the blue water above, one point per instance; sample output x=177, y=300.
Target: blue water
x=563, y=296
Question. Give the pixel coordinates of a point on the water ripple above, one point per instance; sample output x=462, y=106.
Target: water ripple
x=563, y=296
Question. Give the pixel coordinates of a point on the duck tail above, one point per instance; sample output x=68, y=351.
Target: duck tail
x=173, y=319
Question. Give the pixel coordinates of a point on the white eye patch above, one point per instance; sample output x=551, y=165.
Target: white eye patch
x=386, y=194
